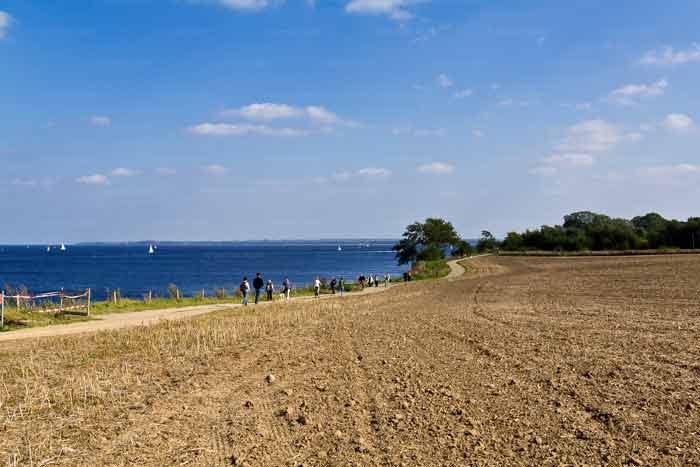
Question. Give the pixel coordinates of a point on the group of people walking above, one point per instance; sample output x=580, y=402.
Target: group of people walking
x=335, y=285
x=259, y=284
x=373, y=280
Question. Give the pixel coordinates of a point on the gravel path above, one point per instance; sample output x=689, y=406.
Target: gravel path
x=113, y=321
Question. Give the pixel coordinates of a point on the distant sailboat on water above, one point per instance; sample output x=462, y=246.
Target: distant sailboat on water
x=63, y=247
x=48, y=249
x=151, y=250
x=339, y=248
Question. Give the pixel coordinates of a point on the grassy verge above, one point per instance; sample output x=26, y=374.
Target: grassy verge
x=435, y=269
x=661, y=251
x=20, y=319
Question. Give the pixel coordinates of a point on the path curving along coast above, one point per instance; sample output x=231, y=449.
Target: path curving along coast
x=112, y=321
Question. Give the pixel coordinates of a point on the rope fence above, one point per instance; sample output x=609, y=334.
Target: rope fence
x=47, y=302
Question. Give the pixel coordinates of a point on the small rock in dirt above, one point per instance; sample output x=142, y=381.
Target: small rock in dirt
x=338, y=434
x=537, y=440
x=285, y=412
x=302, y=420
x=270, y=378
x=249, y=404
x=359, y=358
x=404, y=405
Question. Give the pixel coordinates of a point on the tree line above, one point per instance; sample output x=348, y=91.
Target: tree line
x=586, y=230
x=437, y=238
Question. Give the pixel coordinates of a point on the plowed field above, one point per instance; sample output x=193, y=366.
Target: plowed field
x=521, y=361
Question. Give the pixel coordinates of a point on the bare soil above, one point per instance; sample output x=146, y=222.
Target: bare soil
x=522, y=361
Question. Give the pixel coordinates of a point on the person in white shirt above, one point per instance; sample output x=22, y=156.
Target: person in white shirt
x=317, y=287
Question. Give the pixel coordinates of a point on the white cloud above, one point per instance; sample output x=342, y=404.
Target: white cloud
x=437, y=168
x=24, y=182
x=629, y=94
x=229, y=129
x=165, y=171
x=245, y=5
x=584, y=106
x=664, y=173
x=374, y=172
x=124, y=172
x=678, y=122
x=444, y=81
x=394, y=9
x=5, y=21
x=569, y=161
x=215, y=169
x=669, y=56
x=419, y=132
x=464, y=93
x=96, y=179
x=544, y=171
x=100, y=120
x=268, y=111
x=369, y=172
x=594, y=136
x=321, y=115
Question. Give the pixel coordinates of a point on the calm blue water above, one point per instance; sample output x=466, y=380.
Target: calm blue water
x=192, y=267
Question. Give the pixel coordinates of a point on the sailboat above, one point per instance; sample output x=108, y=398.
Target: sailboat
x=339, y=248
x=63, y=247
x=48, y=249
x=151, y=250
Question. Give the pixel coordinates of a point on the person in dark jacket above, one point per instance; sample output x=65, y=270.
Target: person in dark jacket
x=258, y=284
x=334, y=283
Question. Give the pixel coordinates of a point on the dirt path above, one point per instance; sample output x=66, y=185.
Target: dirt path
x=111, y=321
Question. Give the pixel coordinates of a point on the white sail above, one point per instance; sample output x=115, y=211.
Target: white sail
x=151, y=250
x=63, y=247
x=339, y=248
x=48, y=248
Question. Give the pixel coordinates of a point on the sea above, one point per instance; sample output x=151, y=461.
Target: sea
x=191, y=266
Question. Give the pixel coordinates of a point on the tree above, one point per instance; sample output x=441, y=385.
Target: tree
x=463, y=248
x=426, y=241
x=487, y=242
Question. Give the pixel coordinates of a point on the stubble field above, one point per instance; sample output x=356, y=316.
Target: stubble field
x=522, y=361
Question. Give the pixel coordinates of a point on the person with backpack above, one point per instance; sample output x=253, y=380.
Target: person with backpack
x=258, y=285
x=333, y=285
x=269, y=288
x=286, y=288
x=341, y=286
x=245, y=288
x=317, y=287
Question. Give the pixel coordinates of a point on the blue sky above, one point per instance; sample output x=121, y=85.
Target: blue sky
x=251, y=119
